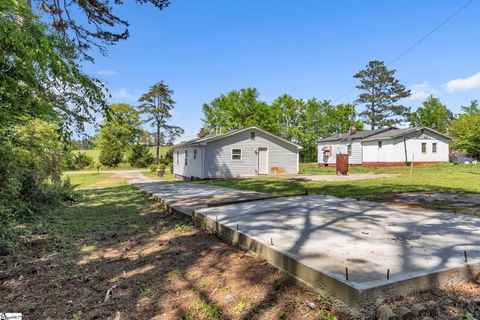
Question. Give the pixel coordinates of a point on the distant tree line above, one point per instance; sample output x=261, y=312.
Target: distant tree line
x=303, y=121
x=299, y=120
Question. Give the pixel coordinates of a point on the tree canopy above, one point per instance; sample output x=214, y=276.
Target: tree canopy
x=89, y=24
x=380, y=93
x=238, y=109
x=433, y=114
x=156, y=105
x=299, y=120
x=465, y=130
x=40, y=77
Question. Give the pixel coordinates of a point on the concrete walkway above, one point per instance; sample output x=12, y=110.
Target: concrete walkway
x=315, y=238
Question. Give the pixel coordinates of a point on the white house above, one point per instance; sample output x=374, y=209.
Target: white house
x=239, y=153
x=385, y=147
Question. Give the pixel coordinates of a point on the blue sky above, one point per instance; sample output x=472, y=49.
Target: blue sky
x=304, y=48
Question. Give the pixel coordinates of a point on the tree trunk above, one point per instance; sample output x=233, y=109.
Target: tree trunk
x=158, y=144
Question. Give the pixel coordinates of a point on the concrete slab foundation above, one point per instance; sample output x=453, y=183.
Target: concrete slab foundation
x=315, y=238
x=186, y=197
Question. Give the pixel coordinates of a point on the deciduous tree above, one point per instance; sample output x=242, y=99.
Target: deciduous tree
x=433, y=114
x=238, y=109
x=465, y=131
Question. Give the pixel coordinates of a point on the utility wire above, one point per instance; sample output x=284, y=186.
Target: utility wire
x=466, y=4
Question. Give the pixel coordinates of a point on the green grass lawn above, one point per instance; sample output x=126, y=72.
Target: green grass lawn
x=313, y=168
x=459, y=178
x=83, y=181
x=95, y=154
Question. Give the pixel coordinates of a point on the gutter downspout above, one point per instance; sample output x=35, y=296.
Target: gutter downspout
x=405, y=147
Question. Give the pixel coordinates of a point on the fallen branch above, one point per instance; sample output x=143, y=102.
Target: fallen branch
x=109, y=293
x=116, y=260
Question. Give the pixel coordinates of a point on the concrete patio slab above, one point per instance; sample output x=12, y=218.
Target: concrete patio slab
x=315, y=238
x=186, y=197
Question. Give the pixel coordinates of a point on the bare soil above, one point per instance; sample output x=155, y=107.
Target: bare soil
x=456, y=202
x=454, y=302
x=172, y=272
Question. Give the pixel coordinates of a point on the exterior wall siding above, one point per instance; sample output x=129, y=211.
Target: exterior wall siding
x=393, y=150
x=340, y=148
x=194, y=164
x=218, y=155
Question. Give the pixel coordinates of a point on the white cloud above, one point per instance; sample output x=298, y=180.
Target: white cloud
x=421, y=91
x=106, y=72
x=123, y=95
x=465, y=84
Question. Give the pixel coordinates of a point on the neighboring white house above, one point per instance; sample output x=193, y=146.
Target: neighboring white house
x=238, y=153
x=385, y=147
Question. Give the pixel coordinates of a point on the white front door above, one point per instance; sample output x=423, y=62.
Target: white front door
x=262, y=161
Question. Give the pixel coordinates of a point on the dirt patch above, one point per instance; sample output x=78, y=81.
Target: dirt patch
x=173, y=271
x=456, y=202
x=454, y=302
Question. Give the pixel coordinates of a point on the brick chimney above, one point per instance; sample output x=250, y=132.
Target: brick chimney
x=352, y=130
x=201, y=133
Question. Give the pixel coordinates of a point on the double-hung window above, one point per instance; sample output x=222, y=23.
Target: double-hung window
x=236, y=154
x=186, y=157
x=434, y=147
x=424, y=147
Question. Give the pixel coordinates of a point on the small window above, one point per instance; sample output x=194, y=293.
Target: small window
x=236, y=154
x=379, y=144
x=424, y=147
x=186, y=157
x=434, y=147
x=194, y=154
x=349, y=150
x=252, y=135
x=178, y=156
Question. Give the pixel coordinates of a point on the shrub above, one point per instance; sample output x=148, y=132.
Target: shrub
x=162, y=167
x=82, y=160
x=111, y=154
x=140, y=156
x=153, y=168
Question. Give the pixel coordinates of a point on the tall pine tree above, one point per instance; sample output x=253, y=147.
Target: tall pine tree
x=380, y=94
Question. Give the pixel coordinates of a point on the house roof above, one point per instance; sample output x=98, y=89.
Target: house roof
x=395, y=133
x=212, y=137
x=378, y=134
x=358, y=135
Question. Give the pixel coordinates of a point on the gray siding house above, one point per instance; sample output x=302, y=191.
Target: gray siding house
x=238, y=153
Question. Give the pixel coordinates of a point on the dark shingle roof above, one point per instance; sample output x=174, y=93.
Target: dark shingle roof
x=210, y=137
x=377, y=134
x=358, y=135
x=401, y=132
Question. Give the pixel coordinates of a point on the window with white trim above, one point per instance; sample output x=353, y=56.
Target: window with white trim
x=424, y=147
x=186, y=157
x=252, y=135
x=380, y=144
x=349, y=150
x=236, y=154
x=194, y=154
x=178, y=156
x=434, y=147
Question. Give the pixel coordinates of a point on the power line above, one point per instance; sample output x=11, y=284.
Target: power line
x=466, y=4
x=430, y=33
